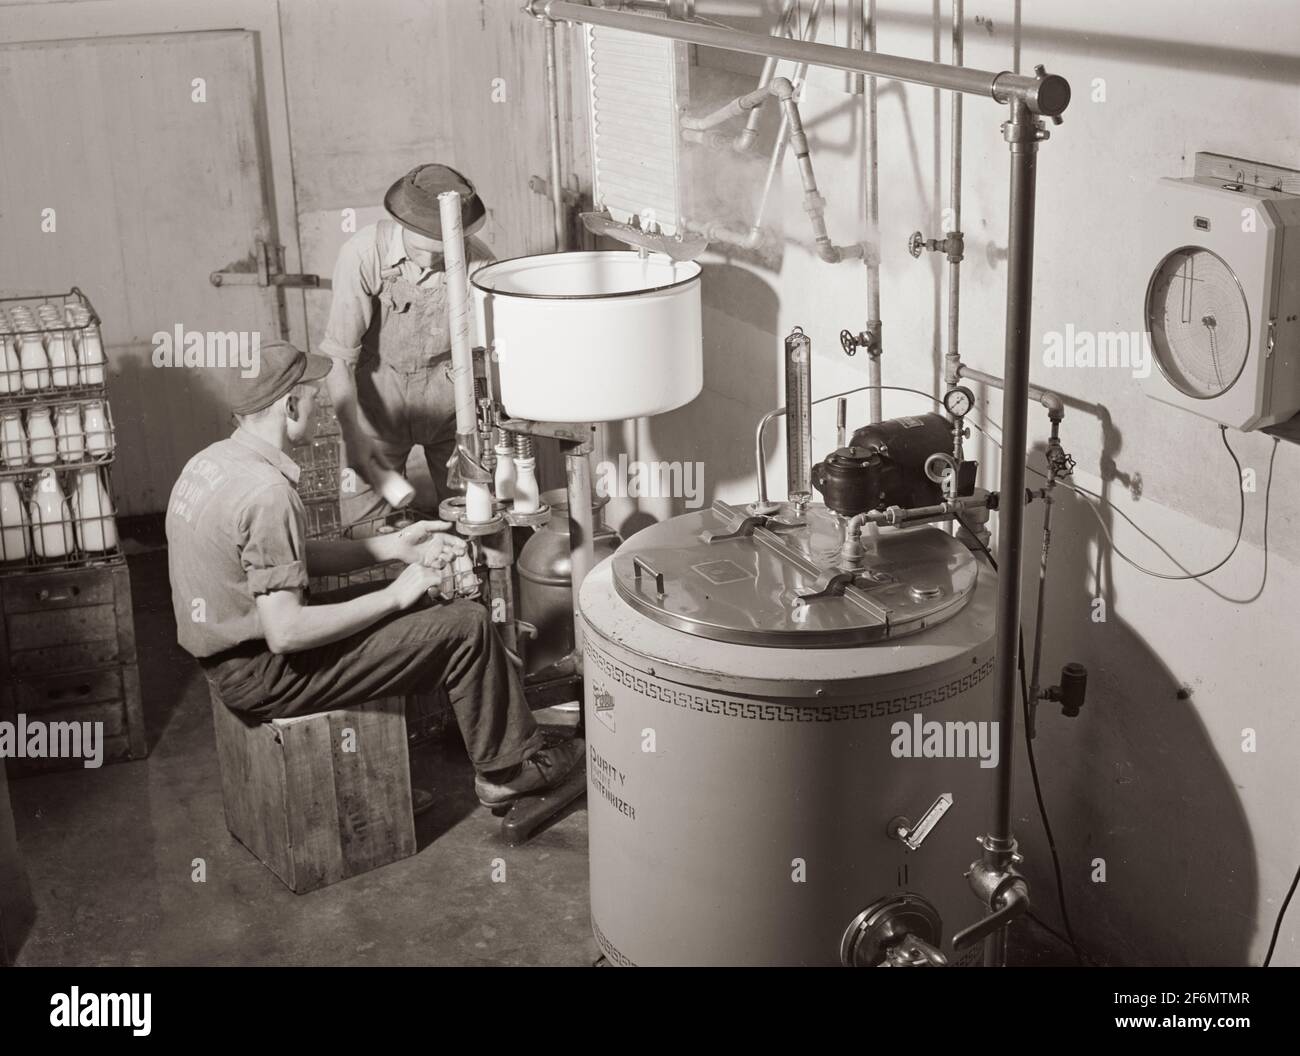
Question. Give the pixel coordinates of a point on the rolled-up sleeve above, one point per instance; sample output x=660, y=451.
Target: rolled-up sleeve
x=355, y=282
x=272, y=550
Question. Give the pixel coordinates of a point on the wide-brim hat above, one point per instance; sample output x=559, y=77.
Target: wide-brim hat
x=413, y=200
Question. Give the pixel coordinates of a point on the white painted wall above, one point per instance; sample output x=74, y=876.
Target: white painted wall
x=1198, y=836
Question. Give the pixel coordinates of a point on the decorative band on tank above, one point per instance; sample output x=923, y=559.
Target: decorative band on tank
x=692, y=699
x=611, y=952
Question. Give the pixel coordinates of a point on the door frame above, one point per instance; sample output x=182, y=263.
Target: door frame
x=43, y=21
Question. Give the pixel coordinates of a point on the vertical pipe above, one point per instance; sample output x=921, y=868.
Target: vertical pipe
x=560, y=214
x=954, y=192
x=1022, y=133
x=457, y=286
x=874, y=375
x=581, y=528
x=857, y=31
x=1037, y=654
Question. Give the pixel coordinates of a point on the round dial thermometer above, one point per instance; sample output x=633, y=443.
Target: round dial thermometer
x=1199, y=322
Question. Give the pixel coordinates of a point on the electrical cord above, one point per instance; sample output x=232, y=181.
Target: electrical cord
x=1241, y=523
x=1281, y=915
x=1033, y=762
x=1084, y=492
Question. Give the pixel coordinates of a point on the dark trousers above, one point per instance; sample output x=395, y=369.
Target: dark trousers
x=451, y=644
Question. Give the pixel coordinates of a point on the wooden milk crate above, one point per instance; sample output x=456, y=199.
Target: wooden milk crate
x=311, y=810
x=69, y=656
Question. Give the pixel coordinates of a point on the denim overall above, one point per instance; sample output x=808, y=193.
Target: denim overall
x=403, y=387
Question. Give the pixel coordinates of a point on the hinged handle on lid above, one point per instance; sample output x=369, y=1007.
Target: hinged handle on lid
x=640, y=564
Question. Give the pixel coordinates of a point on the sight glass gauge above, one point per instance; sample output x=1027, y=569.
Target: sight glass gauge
x=1199, y=322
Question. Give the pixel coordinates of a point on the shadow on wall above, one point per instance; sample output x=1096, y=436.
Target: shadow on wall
x=1135, y=782
x=709, y=442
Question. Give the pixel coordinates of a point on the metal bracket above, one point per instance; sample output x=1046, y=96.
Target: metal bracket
x=269, y=263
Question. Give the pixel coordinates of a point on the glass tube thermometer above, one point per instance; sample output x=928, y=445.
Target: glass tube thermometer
x=798, y=417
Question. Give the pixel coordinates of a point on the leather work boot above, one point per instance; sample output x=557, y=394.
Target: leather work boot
x=544, y=769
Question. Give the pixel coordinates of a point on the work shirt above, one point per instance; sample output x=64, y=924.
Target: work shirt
x=409, y=331
x=234, y=531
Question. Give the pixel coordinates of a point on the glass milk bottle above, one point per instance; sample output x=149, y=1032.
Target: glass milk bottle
x=42, y=446
x=13, y=523
x=68, y=434
x=92, y=509
x=51, y=519
x=91, y=351
x=11, y=378
x=35, y=364
x=99, y=437
x=13, y=440
x=62, y=356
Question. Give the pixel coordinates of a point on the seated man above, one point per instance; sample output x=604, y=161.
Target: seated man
x=239, y=566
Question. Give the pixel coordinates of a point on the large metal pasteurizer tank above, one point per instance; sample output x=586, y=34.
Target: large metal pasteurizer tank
x=744, y=669
x=743, y=800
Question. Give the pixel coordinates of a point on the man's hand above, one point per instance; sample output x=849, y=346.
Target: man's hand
x=427, y=543
x=414, y=583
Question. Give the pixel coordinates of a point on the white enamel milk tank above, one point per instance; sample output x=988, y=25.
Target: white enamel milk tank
x=592, y=337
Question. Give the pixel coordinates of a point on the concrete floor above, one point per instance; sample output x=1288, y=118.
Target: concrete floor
x=111, y=855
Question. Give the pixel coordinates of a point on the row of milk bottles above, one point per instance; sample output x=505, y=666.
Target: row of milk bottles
x=49, y=348
x=50, y=524
x=70, y=432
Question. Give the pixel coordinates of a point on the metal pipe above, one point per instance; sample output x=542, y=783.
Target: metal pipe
x=1048, y=94
x=457, y=287
x=857, y=34
x=753, y=238
x=1022, y=133
x=874, y=328
x=814, y=203
x=745, y=140
x=954, y=190
x=1034, y=687
x=1049, y=399
x=559, y=212
x=577, y=471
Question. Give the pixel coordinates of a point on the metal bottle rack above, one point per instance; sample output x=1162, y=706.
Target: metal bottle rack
x=18, y=464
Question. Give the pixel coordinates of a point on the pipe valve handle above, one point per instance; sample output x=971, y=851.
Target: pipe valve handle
x=1012, y=901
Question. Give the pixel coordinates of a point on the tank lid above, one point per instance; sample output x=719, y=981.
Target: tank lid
x=722, y=574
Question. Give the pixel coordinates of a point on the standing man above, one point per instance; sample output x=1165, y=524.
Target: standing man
x=389, y=339
x=239, y=563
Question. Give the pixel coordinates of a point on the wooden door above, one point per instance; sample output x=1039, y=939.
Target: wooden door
x=133, y=168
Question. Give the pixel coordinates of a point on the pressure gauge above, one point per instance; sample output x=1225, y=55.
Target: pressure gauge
x=959, y=402
x=1220, y=273
x=1199, y=322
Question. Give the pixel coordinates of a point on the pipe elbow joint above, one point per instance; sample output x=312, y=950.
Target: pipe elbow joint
x=1054, y=404
x=782, y=88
